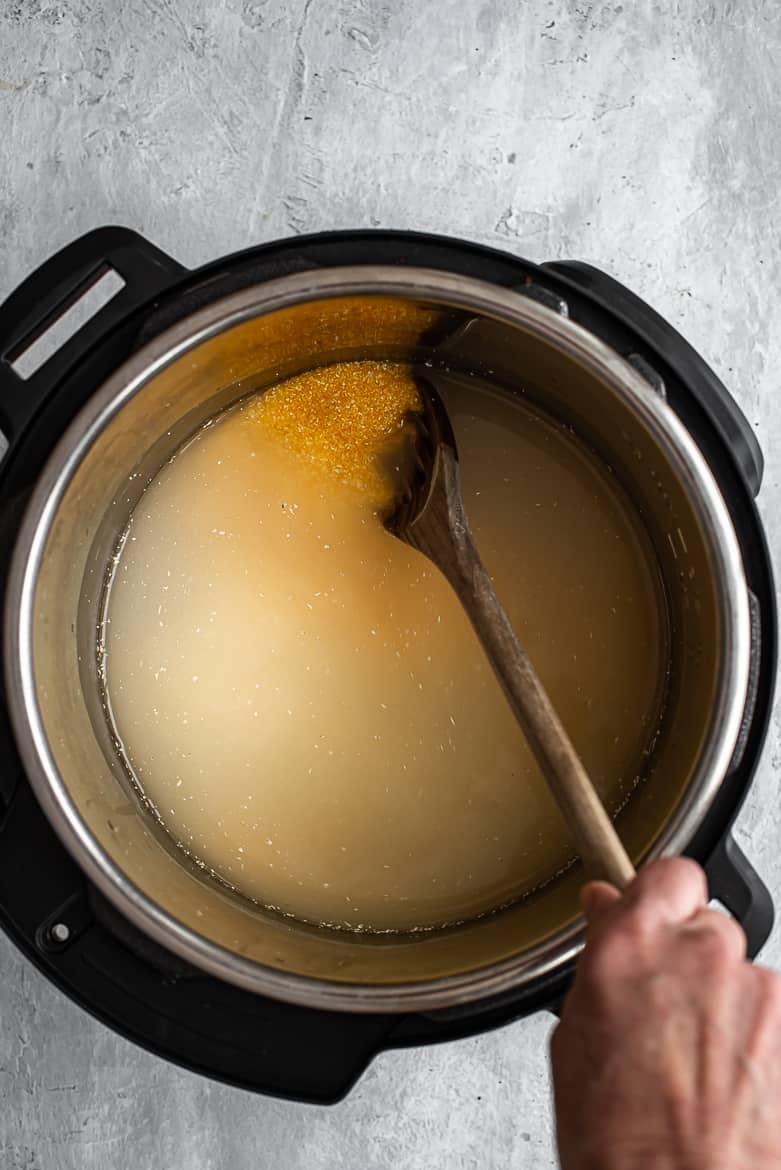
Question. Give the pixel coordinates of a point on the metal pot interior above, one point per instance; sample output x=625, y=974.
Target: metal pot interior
x=137, y=421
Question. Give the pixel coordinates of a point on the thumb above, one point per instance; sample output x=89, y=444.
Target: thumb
x=596, y=898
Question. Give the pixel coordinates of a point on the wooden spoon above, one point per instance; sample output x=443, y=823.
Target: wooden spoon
x=429, y=515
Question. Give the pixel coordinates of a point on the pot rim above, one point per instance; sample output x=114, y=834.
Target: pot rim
x=554, y=953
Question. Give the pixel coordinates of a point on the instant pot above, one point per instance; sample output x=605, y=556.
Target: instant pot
x=91, y=889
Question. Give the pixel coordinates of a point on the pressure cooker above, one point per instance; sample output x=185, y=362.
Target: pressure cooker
x=91, y=889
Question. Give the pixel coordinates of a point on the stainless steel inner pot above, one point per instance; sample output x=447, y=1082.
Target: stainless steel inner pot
x=131, y=426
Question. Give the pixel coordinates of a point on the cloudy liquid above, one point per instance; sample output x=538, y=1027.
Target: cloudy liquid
x=303, y=702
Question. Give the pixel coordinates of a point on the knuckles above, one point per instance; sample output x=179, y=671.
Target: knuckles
x=717, y=941
x=670, y=874
x=637, y=944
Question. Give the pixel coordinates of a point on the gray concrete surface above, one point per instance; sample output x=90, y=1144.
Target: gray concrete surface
x=642, y=136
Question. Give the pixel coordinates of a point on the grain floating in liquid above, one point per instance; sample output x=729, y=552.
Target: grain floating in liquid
x=339, y=418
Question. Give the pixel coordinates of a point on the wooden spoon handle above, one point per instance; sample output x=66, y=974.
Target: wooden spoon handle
x=443, y=534
x=598, y=842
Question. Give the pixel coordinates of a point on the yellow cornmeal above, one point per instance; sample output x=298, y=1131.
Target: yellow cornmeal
x=338, y=418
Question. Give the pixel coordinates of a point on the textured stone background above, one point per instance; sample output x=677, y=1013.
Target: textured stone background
x=640, y=136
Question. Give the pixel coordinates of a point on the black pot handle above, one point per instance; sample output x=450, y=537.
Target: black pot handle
x=710, y=392
x=736, y=884
x=55, y=287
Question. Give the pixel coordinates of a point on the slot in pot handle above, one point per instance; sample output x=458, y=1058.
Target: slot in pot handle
x=736, y=884
x=54, y=288
x=709, y=391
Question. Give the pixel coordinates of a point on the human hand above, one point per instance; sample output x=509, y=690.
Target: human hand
x=668, y=1053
